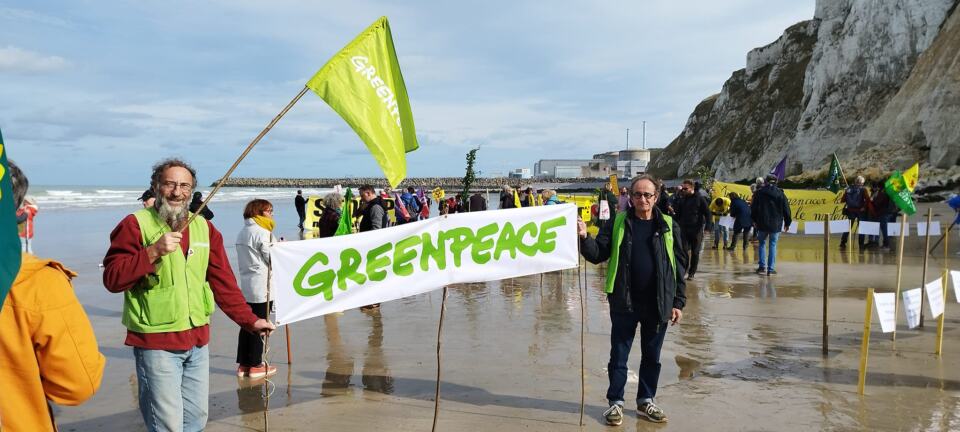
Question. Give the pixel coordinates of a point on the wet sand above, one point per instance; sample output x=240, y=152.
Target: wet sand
x=747, y=355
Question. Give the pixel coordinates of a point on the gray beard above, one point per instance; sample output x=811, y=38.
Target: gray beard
x=174, y=217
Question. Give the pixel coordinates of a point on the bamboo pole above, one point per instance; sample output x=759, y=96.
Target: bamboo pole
x=826, y=282
x=926, y=248
x=243, y=155
x=436, y=397
x=583, y=315
x=865, y=344
x=266, y=351
x=946, y=273
x=286, y=332
x=896, y=299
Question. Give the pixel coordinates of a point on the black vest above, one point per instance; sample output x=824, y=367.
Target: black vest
x=366, y=224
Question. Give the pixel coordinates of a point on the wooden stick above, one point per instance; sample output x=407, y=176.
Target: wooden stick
x=436, y=397
x=946, y=273
x=926, y=248
x=266, y=350
x=896, y=300
x=865, y=344
x=286, y=332
x=243, y=155
x=583, y=384
x=826, y=278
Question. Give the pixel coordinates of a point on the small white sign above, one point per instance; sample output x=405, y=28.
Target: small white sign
x=893, y=229
x=839, y=226
x=869, y=228
x=793, y=227
x=955, y=275
x=912, y=300
x=934, y=228
x=604, y=210
x=726, y=221
x=886, y=308
x=813, y=228
x=935, y=297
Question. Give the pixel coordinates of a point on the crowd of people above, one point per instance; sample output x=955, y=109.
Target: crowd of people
x=380, y=183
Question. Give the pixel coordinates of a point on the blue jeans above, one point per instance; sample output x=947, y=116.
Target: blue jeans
x=718, y=231
x=622, y=333
x=768, y=259
x=173, y=388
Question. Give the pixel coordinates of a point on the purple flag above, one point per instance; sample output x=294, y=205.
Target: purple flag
x=780, y=170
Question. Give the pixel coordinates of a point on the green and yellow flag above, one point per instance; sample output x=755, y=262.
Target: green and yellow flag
x=900, y=188
x=834, y=175
x=363, y=84
x=9, y=239
x=346, y=215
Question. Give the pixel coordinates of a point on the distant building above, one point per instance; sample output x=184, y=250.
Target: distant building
x=520, y=173
x=632, y=162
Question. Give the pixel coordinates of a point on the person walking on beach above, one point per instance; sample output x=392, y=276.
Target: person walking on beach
x=300, y=203
x=770, y=212
x=253, y=262
x=644, y=287
x=692, y=214
x=374, y=217
x=855, y=200
x=47, y=349
x=742, y=222
x=170, y=281
x=196, y=203
x=25, y=225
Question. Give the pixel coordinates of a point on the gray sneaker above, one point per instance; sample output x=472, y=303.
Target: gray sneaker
x=614, y=415
x=652, y=412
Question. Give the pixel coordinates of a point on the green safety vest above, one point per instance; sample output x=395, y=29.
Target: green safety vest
x=176, y=296
x=614, y=262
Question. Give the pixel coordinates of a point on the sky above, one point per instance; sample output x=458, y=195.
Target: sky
x=96, y=92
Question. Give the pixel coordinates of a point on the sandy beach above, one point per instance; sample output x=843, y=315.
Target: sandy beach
x=747, y=355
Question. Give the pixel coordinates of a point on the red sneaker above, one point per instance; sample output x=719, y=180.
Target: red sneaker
x=243, y=371
x=261, y=371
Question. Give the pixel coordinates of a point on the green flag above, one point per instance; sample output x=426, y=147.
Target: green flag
x=363, y=84
x=9, y=239
x=346, y=215
x=834, y=175
x=897, y=188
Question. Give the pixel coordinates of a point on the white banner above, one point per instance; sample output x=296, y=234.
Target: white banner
x=868, y=228
x=934, y=228
x=316, y=277
x=604, y=210
x=955, y=275
x=893, y=229
x=911, y=305
x=935, y=297
x=813, y=228
x=885, y=303
x=727, y=221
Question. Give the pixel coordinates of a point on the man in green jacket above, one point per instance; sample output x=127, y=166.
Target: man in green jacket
x=644, y=287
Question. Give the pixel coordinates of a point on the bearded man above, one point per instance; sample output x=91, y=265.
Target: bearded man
x=170, y=282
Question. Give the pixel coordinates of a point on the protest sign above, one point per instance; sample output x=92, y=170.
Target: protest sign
x=935, y=297
x=726, y=221
x=955, y=275
x=911, y=304
x=813, y=228
x=934, y=228
x=885, y=303
x=869, y=228
x=893, y=230
x=839, y=226
x=805, y=205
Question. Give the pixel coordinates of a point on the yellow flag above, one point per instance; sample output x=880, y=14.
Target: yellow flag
x=911, y=175
x=516, y=199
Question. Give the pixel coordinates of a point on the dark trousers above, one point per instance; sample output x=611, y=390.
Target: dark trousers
x=622, y=333
x=853, y=216
x=692, y=244
x=303, y=217
x=746, y=236
x=884, y=221
x=249, y=345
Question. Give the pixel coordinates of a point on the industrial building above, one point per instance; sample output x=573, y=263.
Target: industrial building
x=624, y=163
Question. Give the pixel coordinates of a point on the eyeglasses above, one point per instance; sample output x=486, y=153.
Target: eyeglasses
x=173, y=185
x=646, y=195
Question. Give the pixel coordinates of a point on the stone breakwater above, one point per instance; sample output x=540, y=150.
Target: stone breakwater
x=447, y=183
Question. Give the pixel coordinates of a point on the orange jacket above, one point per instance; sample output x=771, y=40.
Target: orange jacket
x=47, y=347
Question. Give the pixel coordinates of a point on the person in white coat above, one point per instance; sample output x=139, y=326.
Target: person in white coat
x=253, y=260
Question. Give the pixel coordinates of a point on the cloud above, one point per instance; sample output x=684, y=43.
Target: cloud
x=31, y=17
x=13, y=59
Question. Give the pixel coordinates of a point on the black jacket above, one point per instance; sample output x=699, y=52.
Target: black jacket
x=692, y=211
x=301, y=204
x=366, y=210
x=670, y=287
x=770, y=210
x=478, y=203
x=196, y=203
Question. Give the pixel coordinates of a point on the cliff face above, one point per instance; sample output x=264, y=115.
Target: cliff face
x=877, y=82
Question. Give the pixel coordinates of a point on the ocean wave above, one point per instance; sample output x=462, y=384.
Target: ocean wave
x=92, y=197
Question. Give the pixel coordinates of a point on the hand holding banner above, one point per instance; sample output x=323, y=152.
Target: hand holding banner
x=316, y=277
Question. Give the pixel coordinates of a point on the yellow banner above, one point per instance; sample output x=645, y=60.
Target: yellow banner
x=804, y=204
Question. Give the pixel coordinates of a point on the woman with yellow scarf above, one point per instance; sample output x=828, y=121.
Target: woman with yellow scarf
x=253, y=259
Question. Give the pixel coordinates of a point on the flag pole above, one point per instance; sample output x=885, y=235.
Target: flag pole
x=896, y=299
x=436, y=398
x=583, y=315
x=926, y=254
x=243, y=155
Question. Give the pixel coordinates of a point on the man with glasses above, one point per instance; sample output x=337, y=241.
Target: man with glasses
x=644, y=287
x=692, y=214
x=170, y=281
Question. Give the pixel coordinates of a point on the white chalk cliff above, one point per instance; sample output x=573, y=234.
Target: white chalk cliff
x=875, y=81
